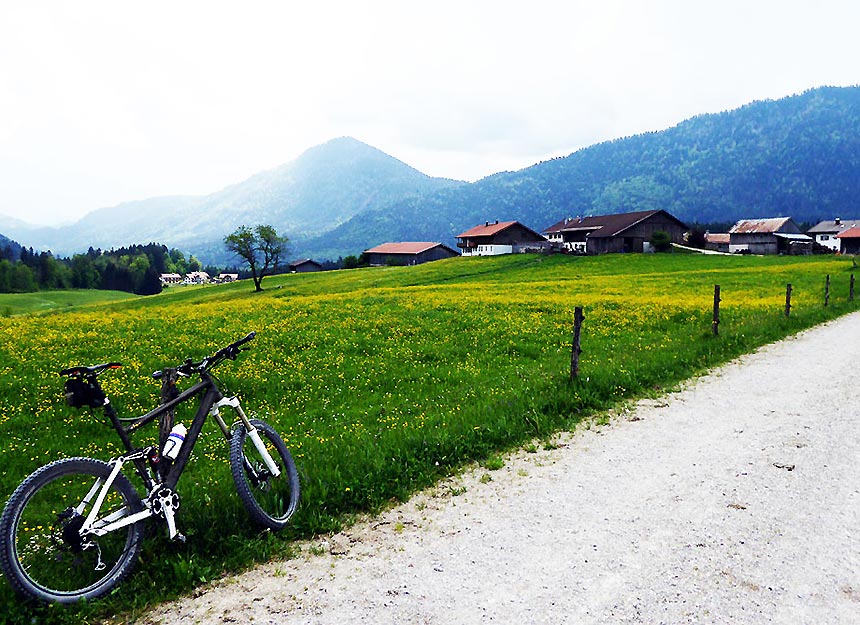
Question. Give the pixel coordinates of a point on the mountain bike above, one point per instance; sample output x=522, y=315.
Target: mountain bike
x=73, y=529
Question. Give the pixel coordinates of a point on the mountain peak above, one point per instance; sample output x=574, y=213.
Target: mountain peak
x=349, y=152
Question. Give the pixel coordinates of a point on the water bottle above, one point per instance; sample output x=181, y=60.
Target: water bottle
x=174, y=441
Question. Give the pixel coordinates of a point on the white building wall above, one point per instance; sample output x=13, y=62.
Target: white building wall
x=828, y=240
x=489, y=250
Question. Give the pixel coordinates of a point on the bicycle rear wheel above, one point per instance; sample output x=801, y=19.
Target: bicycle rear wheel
x=270, y=500
x=43, y=554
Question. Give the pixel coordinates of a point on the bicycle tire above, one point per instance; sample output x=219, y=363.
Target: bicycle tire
x=270, y=501
x=41, y=553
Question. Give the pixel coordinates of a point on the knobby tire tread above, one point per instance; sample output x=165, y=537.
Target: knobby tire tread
x=257, y=514
x=44, y=476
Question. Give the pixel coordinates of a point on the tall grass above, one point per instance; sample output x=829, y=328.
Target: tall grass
x=383, y=380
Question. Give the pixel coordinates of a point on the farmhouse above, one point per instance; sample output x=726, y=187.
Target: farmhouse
x=196, y=277
x=825, y=232
x=776, y=235
x=506, y=237
x=170, y=278
x=304, y=265
x=622, y=232
x=227, y=277
x=717, y=241
x=849, y=240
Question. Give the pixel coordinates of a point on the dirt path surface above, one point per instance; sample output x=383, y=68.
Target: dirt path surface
x=734, y=500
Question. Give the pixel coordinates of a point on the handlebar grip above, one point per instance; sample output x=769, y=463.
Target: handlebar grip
x=244, y=340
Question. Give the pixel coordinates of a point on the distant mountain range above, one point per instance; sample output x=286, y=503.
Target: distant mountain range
x=798, y=156
x=323, y=188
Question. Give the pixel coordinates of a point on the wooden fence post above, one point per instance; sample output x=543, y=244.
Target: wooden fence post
x=168, y=392
x=827, y=290
x=851, y=289
x=716, y=323
x=788, y=300
x=575, y=350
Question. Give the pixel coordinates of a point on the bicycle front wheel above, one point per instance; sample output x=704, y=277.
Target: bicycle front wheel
x=44, y=554
x=270, y=500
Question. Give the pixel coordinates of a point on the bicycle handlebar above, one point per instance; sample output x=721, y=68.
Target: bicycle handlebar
x=81, y=371
x=231, y=351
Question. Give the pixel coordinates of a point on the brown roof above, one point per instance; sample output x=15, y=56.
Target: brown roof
x=851, y=233
x=717, y=237
x=487, y=229
x=408, y=247
x=604, y=225
x=759, y=226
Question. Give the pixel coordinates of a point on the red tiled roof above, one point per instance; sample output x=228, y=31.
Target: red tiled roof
x=408, y=247
x=851, y=233
x=490, y=229
x=487, y=229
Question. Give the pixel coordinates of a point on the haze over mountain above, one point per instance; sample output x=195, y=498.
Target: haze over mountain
x=798, y=156
x=321, y=189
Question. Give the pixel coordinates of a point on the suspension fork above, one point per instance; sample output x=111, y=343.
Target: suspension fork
x=253, y=434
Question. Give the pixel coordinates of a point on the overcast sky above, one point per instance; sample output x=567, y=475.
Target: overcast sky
x=105, y=102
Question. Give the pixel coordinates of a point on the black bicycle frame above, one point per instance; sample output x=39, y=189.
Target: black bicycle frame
x=211, y=395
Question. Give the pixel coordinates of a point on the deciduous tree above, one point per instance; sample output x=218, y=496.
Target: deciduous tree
x=260, y=247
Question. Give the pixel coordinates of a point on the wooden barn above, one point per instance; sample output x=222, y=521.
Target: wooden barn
x=774, y=235
x=304, y=265
x=408, y=253
x=621, y=232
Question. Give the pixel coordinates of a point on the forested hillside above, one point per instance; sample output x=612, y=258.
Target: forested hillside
x=798, y=157
x=134, y=269
x=9, y=248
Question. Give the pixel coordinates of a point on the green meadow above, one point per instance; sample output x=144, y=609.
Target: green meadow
x=384, y=380
x=45, y=301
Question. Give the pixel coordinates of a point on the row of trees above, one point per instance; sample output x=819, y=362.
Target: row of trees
x=135, y=269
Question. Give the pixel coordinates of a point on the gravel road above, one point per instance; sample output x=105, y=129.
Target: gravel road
x=734, y=500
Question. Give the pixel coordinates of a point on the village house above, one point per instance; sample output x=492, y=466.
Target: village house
x=506, y=237
x=170, y=278
x=621, y=232
x=227, y=277
x=825, y=232
x=304, y=265
x=775, y=235
x=849, y=241
x=196, y=277
x=408, y=253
